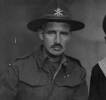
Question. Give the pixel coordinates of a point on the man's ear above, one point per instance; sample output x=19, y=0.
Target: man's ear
x=40, y=33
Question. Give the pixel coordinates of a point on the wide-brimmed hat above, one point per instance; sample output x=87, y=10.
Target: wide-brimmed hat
x=55, y=15
x=104, y=24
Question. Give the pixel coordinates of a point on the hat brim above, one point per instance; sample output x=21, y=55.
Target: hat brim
x=34, y=25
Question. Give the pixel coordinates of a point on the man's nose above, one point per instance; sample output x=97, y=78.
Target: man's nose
x=57, y=40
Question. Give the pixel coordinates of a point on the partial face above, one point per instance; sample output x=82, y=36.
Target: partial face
x=55, y=36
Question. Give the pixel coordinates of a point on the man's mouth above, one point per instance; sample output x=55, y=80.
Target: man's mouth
x=57, y=48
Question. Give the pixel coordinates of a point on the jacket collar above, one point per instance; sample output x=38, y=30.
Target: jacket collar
x=72, y=74
x=42, y=57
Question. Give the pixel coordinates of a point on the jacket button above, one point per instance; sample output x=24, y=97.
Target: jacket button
x=64, y=76
x=9, y=64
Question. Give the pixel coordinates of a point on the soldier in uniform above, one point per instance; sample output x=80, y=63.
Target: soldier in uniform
x=98, y=77
x=47, y=73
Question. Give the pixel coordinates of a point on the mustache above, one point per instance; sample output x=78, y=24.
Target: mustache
x=57, y=44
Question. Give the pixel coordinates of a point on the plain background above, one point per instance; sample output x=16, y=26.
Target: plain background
x=16, y=40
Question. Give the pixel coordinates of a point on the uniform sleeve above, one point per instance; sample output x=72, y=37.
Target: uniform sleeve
x=93, y=92
x=8, y=84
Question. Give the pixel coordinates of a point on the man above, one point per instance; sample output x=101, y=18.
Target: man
x=98, y=77
x=47, y=74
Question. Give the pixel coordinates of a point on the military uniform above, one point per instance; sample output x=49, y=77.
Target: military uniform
x=29, y=78
x=35, y=77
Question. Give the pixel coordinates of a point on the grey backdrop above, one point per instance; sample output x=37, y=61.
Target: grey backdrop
x=16, y=40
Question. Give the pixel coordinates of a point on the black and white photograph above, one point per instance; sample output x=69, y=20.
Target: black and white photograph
x=52, y=49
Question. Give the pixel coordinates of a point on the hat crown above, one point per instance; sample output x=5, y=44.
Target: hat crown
x=55, y=12
x=57, y=9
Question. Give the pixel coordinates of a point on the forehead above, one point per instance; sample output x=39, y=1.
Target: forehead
x=57, y=26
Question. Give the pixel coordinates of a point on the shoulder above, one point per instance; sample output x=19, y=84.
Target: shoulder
x=99, y=68
x=22, y=62
x=99, y=65
x=96, y=73
x=24, y=57
x=74, y=60
x=77, y=69
x=96, y=68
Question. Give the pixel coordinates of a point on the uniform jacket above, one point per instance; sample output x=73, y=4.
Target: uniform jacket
x=27, y=79
x=97, y=84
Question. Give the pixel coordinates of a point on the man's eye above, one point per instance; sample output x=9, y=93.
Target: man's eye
x=64, y=33
x=51, y=32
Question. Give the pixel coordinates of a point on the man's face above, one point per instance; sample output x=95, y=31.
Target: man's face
x=55, y=36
